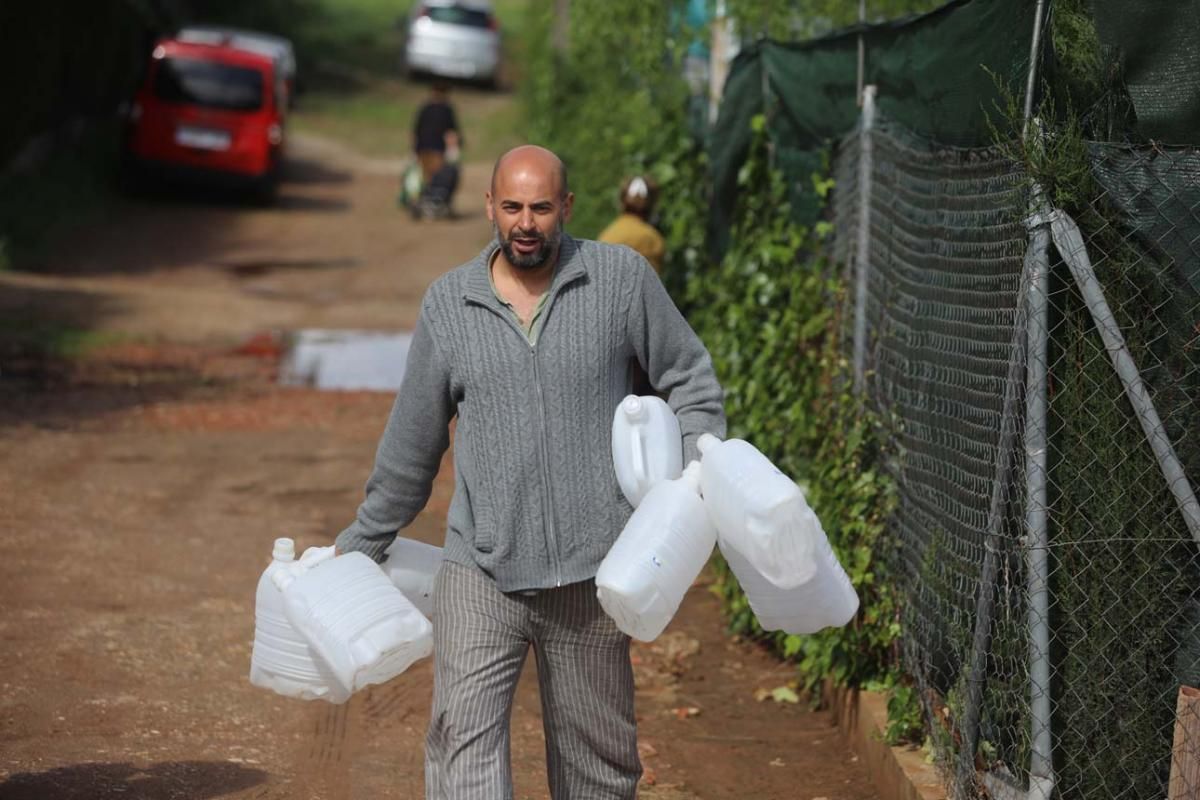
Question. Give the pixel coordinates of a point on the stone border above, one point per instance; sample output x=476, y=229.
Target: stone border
x=899, y=773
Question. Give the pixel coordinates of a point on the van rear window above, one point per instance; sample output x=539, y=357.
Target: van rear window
x=458, y=15
x=209, y=84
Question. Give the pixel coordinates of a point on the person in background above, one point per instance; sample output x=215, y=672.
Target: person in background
x=639, y=195
x=525, y=348
x=435, y=132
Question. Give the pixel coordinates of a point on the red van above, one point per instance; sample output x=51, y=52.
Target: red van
x=208, y=110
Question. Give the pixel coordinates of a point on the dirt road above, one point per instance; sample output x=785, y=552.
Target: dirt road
x=141, y=486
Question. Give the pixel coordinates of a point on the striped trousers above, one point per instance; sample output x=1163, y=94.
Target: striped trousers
x=480, y=639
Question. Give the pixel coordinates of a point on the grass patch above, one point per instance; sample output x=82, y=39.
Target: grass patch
x=40, y=205
x=33, y=337
x=374, y=121
x=356, y=96
x=343, y=43
x=377, y=119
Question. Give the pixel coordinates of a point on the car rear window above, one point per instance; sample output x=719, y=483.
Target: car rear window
x=209, y=84
x=457, y=15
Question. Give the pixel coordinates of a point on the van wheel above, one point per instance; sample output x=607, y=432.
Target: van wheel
x=266, y=190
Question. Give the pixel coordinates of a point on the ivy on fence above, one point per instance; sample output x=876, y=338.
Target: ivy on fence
x=769, y=315
x=768, y=312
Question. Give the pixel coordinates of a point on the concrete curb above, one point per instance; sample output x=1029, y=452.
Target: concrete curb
x=899, y=773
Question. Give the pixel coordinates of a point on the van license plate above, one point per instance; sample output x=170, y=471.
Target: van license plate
x=202, y=138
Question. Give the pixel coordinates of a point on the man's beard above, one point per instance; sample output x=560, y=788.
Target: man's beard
x=546, y=248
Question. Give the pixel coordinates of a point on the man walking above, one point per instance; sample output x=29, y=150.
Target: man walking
x=435, y=132
x=530, y=347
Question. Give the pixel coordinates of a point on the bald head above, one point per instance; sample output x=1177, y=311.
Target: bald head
x=529, y=160
x=528, y=205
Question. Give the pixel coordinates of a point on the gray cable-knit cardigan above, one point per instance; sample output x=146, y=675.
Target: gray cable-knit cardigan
x=536, y=502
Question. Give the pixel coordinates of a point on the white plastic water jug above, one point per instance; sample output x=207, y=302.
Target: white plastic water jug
x=361, y=627
x=658, y=555
x=647, y=446
x=281, y=659
x=412, y=567
x=826, y=600
x=760, y=511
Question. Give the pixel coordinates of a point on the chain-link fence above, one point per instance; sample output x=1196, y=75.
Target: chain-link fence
x=1043, y=382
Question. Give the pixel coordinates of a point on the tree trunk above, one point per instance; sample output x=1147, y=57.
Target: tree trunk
x=561, y=34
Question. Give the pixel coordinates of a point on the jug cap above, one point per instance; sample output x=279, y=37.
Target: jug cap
x=285, y=550
x=706, y=442
x=633, y=407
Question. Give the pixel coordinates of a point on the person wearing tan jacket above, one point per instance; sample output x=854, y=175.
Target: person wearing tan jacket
x=632, y=228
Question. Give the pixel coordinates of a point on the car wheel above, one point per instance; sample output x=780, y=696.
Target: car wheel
x=498, y=80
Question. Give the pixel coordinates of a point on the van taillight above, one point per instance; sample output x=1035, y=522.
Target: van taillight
x=492, y=24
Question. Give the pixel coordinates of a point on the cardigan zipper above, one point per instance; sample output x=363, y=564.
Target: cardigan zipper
x=550, y=533
x=548, y=509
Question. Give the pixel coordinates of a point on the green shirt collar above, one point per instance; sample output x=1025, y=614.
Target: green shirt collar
x=531, y=328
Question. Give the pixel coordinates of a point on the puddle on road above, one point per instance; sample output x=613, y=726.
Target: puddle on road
x=345, y=359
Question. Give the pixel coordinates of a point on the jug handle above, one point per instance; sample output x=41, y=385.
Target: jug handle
x=639, y=466
x=282, y=579
x=316, y=555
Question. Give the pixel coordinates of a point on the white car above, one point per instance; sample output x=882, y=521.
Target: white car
x=453, y=39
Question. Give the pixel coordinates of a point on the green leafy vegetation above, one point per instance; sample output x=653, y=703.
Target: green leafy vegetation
x=1111, y=561
x=803, y=19
x=69, y=62
x=615, y=102
x=1141, y=577
x=40, y=204
x=767, y=313
x=906, y=719
x=27, y=336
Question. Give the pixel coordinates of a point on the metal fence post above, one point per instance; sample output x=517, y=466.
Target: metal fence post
x=1041, y=762
x=862, y=255
x=862, y=51
x=1036, y=262
x=1035, y=45
x=1069, y=242
x=1041, y=755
